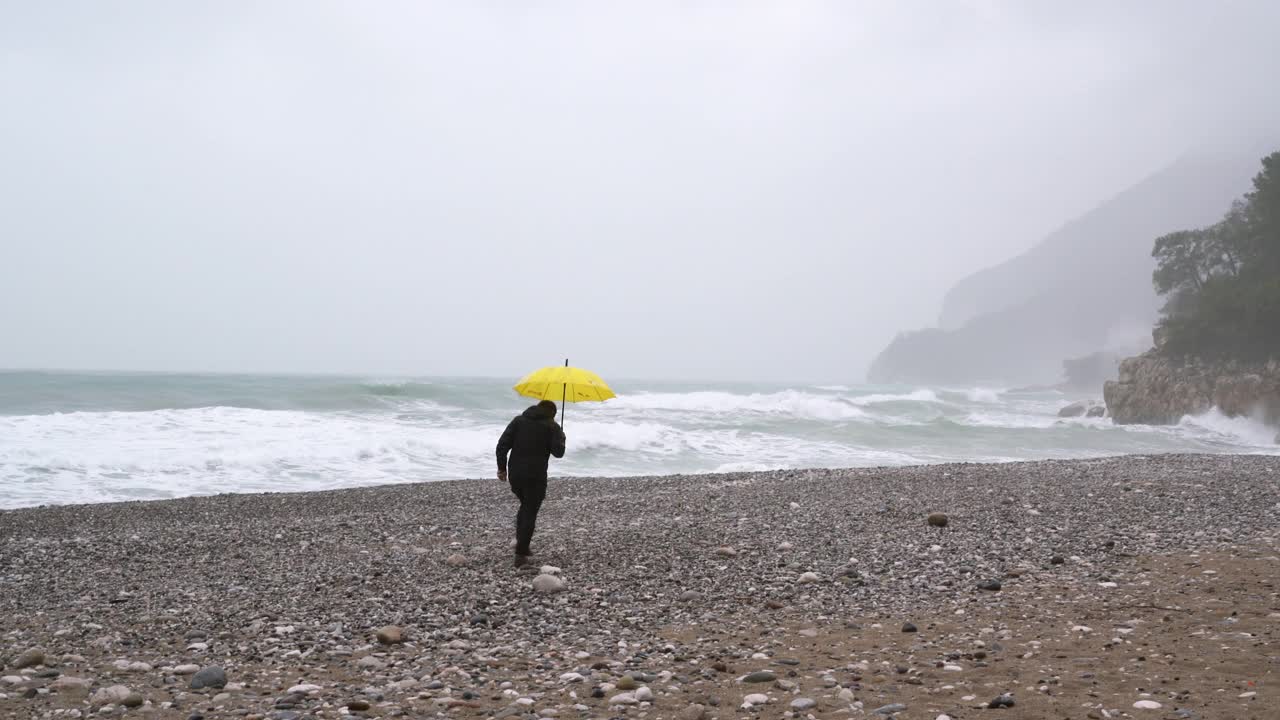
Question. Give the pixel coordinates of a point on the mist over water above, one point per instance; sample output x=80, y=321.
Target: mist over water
x=71, y=438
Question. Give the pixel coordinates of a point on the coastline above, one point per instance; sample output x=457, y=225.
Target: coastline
x=288, y=590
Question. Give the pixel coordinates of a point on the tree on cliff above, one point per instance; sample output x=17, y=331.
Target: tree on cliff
x=1222, y=283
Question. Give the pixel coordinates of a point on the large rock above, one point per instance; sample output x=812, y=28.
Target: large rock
x=1156, y=390
x=1075, y=409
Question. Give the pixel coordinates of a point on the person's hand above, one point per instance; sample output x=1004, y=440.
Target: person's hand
x=502, y=475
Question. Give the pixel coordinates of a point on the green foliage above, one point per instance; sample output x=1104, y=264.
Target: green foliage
x=1222, y=282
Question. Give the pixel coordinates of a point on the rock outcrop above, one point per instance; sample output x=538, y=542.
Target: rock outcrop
x=1155, y=390
x=1083, y=409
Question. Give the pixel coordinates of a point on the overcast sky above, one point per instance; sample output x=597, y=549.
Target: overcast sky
x=653, y=189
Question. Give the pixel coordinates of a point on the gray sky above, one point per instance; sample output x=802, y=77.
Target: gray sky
x=680, y=189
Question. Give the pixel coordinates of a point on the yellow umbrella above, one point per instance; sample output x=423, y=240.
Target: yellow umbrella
x=566, y=384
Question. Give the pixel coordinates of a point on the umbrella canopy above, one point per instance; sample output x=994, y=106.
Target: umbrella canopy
x=564, y=384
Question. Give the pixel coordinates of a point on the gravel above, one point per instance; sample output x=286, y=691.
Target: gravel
x=292, y=591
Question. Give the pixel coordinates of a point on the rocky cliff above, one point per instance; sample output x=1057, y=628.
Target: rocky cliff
x=1084, y=288
x=1158, y=391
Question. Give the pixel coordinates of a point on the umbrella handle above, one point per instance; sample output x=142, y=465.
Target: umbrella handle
x=564, y=393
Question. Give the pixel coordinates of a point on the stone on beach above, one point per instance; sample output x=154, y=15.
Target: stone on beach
x=71, y=685
x=1002, y=701
x=30, y=657
x=209, y=677
x=369, y=662
x=696, y=711
x=626, y=682
x=803, y=704
x=548, y=584
x=113, y=695
x=624, y=699
x=939, y=520
x=390, y=635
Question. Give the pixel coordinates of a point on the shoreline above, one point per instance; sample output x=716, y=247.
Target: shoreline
x=708, y=476
x=282, y=590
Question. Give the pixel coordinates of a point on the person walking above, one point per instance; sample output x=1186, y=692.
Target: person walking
x=531, y=439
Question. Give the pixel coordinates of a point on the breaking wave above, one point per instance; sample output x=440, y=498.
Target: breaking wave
x=103, y=438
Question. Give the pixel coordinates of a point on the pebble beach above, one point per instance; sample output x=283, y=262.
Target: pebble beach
x=1138, y=586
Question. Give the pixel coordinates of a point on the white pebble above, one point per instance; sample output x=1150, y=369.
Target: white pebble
x=1147, y=705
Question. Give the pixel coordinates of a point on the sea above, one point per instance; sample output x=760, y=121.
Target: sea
x=106, y=437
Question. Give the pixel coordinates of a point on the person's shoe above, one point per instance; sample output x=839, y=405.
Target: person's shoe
x=523, y=559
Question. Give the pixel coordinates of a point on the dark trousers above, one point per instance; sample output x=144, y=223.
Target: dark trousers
x=531, y=494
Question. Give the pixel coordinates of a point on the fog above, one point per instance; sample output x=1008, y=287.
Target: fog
x=654, y=190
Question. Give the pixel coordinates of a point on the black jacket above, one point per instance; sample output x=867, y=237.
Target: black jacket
x=531, y=438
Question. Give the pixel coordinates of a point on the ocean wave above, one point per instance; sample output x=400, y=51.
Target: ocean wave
x=627, y=437
x=321, y=433
x=745, y=467
x=1235, y=430
x=224, y=449
x=983, y=395
x=788, y=402
x=1026, y=421
x=923, y=395
x=398, y=388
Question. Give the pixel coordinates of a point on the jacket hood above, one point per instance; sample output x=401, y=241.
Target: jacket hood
x=533, y=412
